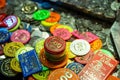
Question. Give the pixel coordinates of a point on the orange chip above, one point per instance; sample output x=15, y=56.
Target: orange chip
x=112, y=78
x=52, y=28
x=49, y=64
x=2, y=3
x=96, y=45
x=30, y=78
x=54, y=17
x=63, y=74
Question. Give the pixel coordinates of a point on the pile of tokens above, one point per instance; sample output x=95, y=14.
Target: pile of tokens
x=59, y=54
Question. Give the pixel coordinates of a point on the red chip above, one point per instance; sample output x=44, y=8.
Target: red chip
x=63, y=33
x=2, y=16
x=20, y=36
x=11, y=21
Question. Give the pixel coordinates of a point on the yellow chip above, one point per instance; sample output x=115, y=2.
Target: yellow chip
x=69, y=52
x=11, y=48
x=66, y=27
x=15, y=65
x=48, y=24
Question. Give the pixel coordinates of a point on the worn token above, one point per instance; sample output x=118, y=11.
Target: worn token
x=110, y=77
x=15, y=65
x=52, y=28
x=54, y=17
x=30, y=78
x=2, y=3
x=17, y=25
x=54, y=45
x=39, y=45
x=20, y=36
x=66, y=27
x=11, y=48
x=48, y=24
x=96, y=45
x=75, y=67
x=85, y=58
x=41, y=75
x=63, y=33
x=41, y=14
x=49, y=64
x=6, y=69
x=80, y=47
x=69, y=52
x=4, y=35
x=11, y=21
x=22, y=50
x=63, y=74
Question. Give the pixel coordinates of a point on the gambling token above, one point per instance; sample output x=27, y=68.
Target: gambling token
x=2, y=16
x=22, y=50
x=106, y=52
x=15, y=65
x=75, y=67
x=52, y=28
x=36, y=33
x=63, y=33
x=96, y=45
x=2, y=24
x=17, y=25
x=37, y=40
x=49, y=64
x=11, y=21
x=6, y=69
x=54, y=17
x=39, y=45
x=4, y=35
x=110, y=77
x=31, y=78
x=45, y=35
x=48, y=24
x=46, y=5
x=54, y=45
x=20, y=36
x=85, y=59
x=41, y=75
x=69, y=52
x=11, y=48
x=30, y=63
x=66, y=27
x=80, y=47
x=41, y=14
x=63, y=74
x=2, y=3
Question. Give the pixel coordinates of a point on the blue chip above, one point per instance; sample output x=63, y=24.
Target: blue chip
x=29, y=63
x=76, y=67
x=46, y=5
x=4, y=35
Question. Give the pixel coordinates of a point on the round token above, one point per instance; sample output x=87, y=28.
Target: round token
x=4, y=35
x=110, y=77
x=84, y=59
x=22, y=50
x=63, y=74
x=70, y=53
x=41, y=14
x=15, y=65
x=41, y=75
x=2, y=3
x=54, y=45
x=52, y=28
x=80, y=47
x=75, y=67
x=66, y=27
x=96, y=45
x=31, y=78
x=17, y=25
x=11, y=21
x=11, y=48
x=63, y=33
x=106, y=52
x=54, y=17
x=39, y=45
x=5, y=68
x=48, y=24
x=45, y=62
x=20, y=36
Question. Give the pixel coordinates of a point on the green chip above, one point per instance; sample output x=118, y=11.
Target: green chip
x=41, y=14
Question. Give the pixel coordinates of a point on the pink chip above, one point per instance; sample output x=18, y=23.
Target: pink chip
x=11, y=21
x=63, y=33
x=88, y=36
x=20, y=36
